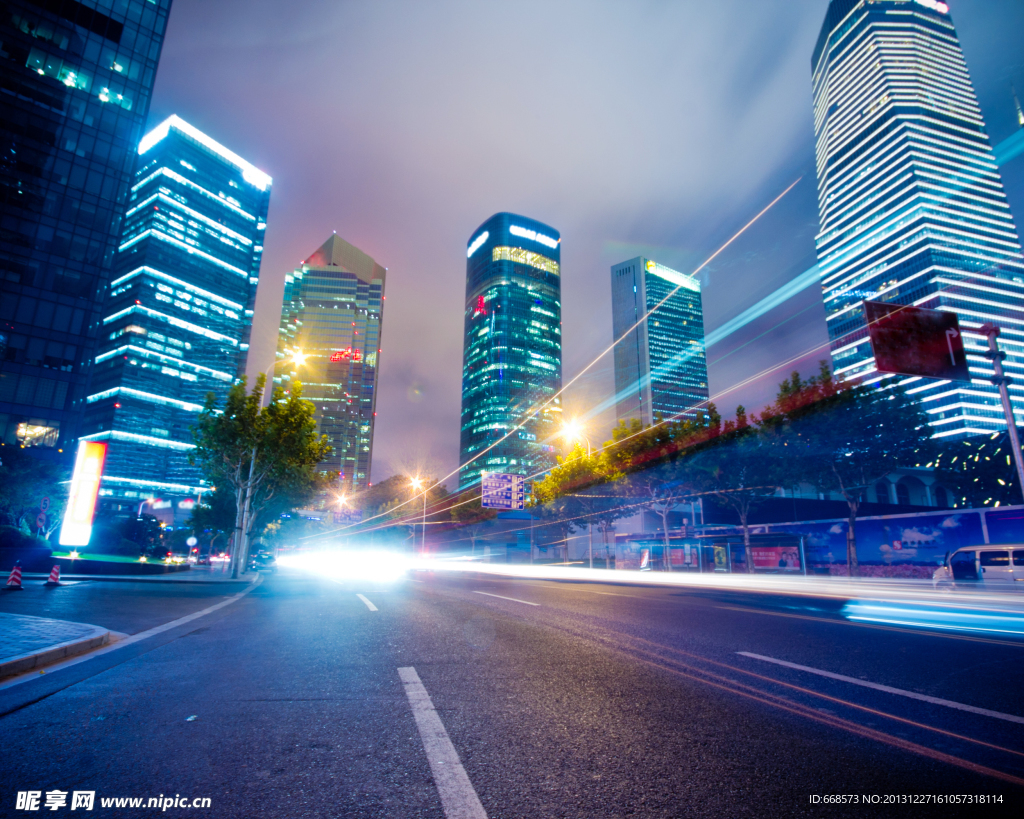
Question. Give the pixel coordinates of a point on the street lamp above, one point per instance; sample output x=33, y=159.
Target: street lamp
x=416, y=484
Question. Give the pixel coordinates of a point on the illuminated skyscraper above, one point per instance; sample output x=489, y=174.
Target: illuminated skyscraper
x=76, y=80
x=911, y=203
x=332, y=312
x=175, y=325
x=512, y=347
x=660, y=365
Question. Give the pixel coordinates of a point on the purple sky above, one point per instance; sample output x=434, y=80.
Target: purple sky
x=633, y=128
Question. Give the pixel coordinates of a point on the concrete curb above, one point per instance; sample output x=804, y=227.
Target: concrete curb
x=27, y=662
x=156, y=578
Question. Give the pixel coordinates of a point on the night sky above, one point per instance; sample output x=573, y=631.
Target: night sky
x=633, y=128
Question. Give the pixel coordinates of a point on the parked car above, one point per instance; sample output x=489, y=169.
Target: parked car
x=996, y=567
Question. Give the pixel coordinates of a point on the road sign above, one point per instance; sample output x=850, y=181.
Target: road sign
x=41, y=520
x=501, y=491
x=44, y=504
x=916, y=341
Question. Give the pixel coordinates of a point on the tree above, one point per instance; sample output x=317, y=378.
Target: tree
x=471, y=516
x=844, y=437
x=556, y=496
x=979, y=470
x=261, y=453
x=742, y=469
x=24, y=481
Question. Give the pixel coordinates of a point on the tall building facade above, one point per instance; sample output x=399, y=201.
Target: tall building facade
x=911, y=203
x=175, y=325
x=330, y=342
x=76, y=79
x=512, y=348
x=660, y=363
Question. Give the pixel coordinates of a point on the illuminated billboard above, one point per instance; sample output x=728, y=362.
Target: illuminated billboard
x=85, y=486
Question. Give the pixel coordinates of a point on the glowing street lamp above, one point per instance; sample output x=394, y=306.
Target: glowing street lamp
x=573, y=431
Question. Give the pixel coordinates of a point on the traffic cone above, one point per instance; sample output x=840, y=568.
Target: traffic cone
x=54, y=577
x=14, y=581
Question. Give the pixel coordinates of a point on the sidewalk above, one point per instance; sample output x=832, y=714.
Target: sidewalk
x=181, y=577
x=28, y=642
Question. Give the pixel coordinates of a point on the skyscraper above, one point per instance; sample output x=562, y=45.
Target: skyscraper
x=512, y=347
x=77, y=80
x=331, y=316
x=911, y=203
x=660, y=365
x=175, y=325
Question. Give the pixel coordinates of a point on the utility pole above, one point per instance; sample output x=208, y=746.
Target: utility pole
x=1000, y=379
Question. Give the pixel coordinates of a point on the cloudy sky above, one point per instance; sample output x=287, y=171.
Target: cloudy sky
x=655, y=128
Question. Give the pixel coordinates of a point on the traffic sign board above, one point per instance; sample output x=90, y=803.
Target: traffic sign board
x=916, y=341
x=501, y=491
x=44, y=504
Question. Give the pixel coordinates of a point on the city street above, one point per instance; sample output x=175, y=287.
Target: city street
x=308, y=696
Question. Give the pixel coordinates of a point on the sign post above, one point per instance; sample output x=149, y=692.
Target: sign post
x=996, y=356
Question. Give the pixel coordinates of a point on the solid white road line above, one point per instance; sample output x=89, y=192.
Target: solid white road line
x=513, y=599
x=889, y=689
x=458, y=798
x=134, y=638
x=369, y=605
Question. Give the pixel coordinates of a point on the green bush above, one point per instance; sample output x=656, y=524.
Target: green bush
x=13, y=538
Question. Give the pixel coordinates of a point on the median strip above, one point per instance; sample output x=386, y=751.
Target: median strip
x=458, y=797
x=888, y=689
x=513, y=599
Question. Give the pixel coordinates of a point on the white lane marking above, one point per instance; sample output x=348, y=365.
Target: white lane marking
x=134, y=638
x=458, y=798
x=889, y=689
x=513, y=599
x=369, y=605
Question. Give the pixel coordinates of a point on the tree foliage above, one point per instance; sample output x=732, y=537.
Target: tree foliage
x=265, y=455
x=24, y=481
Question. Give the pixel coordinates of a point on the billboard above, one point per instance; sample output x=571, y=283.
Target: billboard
x=85, y=486
x=916, y=341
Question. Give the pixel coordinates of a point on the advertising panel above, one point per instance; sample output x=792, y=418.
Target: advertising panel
x=85, y=486
x=777, y=558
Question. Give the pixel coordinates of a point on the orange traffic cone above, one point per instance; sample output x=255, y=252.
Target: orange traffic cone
x=54, y=577
x=14, y=581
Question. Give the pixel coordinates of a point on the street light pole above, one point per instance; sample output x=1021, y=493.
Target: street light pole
x=996, y=356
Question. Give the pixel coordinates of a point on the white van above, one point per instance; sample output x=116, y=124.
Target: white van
x=996, y=567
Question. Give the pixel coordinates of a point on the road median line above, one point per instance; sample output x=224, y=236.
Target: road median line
x=369, y=605
x=513, y=599
x=887, y=688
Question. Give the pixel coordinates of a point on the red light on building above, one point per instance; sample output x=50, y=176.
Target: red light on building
x=348, y=354
x=481, y=307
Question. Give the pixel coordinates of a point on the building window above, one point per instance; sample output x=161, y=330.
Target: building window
x=902, y=494
x=517, y=254
x=882, y=492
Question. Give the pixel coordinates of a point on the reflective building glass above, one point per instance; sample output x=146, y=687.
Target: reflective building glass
x=911, y=203
x=75, y=85
x=660, y=363
x=175, y=325
x=330, y=342
x=512, y=348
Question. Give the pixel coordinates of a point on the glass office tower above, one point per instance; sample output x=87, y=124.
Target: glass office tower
x=175, y=325
x=331, y=317
x=660, y=364
x=76, y=79
x=911, y=203
x=512, y=350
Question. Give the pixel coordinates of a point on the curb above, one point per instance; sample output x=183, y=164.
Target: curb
x=120, y=578
x=28, y=662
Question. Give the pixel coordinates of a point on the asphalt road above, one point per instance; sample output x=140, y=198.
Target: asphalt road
x=596, y=701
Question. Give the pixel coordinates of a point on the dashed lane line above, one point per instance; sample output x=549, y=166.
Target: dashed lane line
x=369, y=605
x=458, y=797
x=887, y=689
x=513, y=599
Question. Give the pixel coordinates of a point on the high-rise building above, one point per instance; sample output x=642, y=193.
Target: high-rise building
x=911, y=203
x=512, y=348
x=175, y=324
x=331, y=322
x=660, y=363
x=76, y=80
